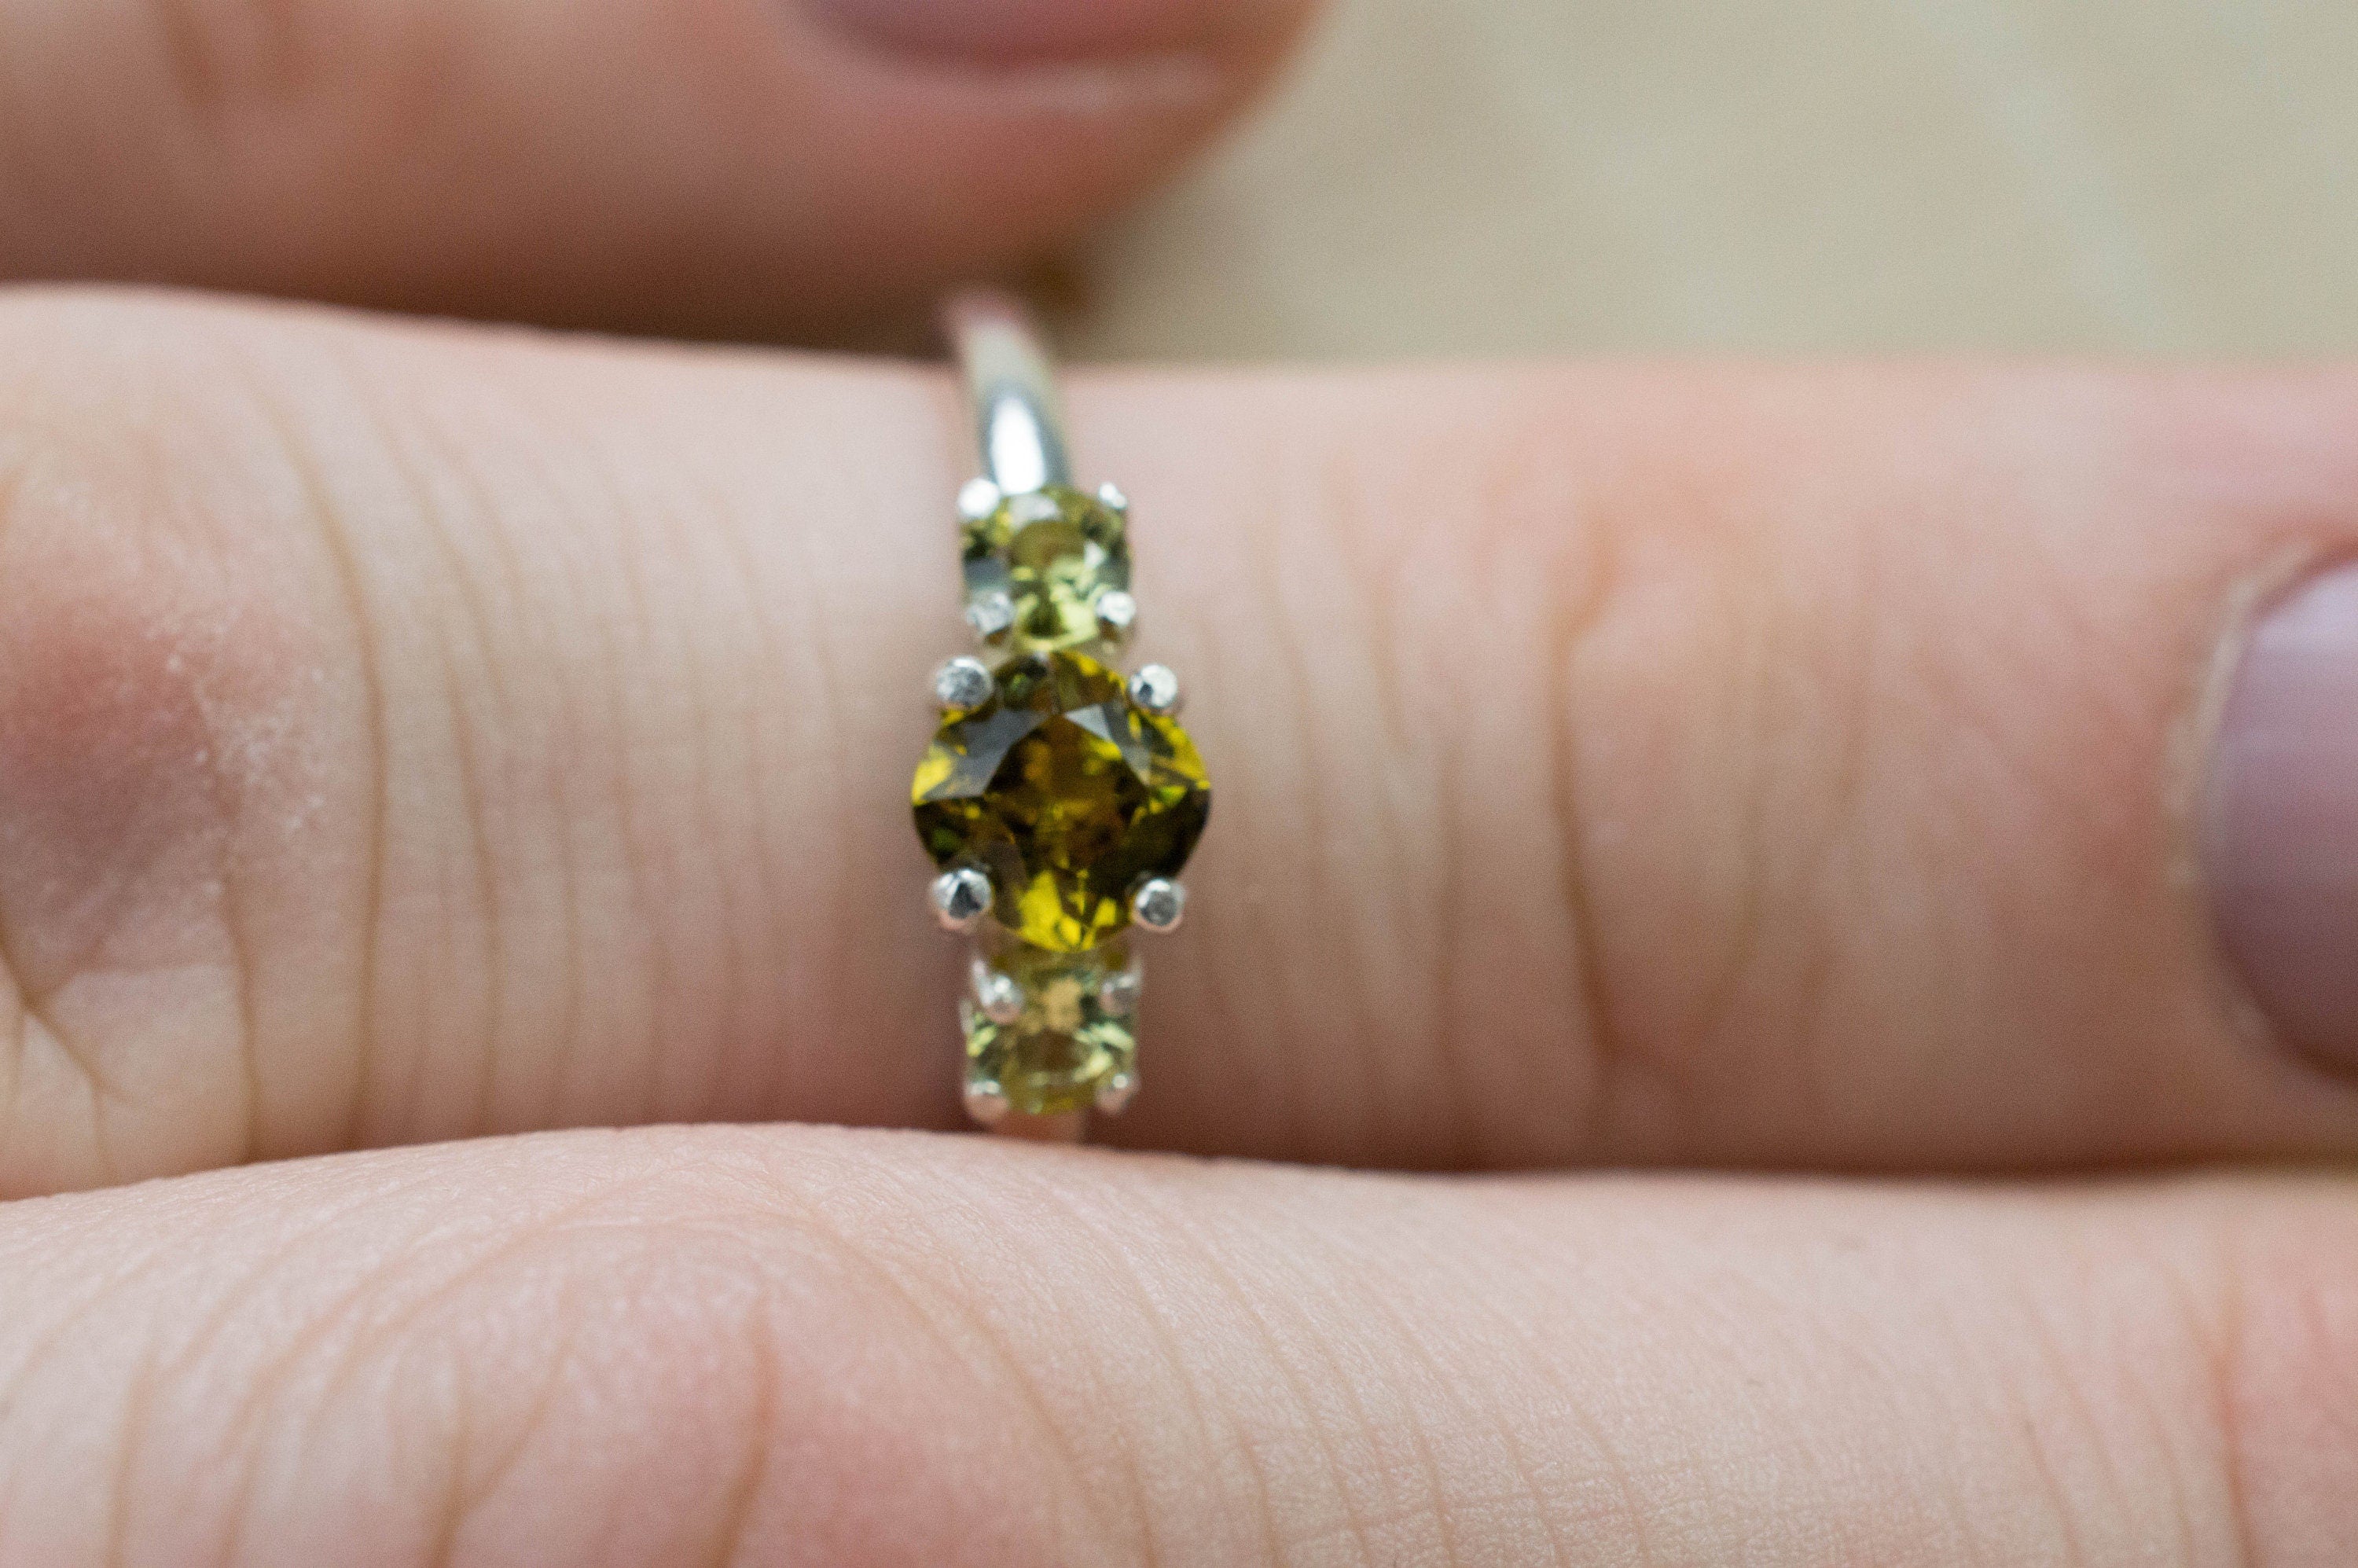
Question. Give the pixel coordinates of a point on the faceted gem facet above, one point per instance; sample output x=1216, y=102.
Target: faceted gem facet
x=1068, y=1045
x=1067, y=794
x=1052, y=552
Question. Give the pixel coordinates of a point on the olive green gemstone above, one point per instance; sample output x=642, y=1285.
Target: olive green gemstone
x=1065, y=793
x=1068, y=1045
x=1052, y=551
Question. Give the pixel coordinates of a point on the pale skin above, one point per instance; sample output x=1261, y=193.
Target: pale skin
x=1781, y=781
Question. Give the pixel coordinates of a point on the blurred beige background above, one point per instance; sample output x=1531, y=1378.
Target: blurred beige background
x=2160, y=177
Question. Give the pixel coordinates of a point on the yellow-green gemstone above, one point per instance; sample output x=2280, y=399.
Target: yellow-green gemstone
x=1052, y=551
x=1065, y=793
x=1068, y=1045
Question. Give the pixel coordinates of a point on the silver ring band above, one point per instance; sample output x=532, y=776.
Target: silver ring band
x=1018, y=421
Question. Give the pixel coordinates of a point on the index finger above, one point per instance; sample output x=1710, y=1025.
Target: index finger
x=407, y=733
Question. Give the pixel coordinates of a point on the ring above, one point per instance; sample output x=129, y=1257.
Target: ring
x=1060, y=799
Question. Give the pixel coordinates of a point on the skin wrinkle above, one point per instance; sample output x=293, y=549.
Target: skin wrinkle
x=137, y=1401
x=1082, y=1220
x=1111, y=1246
x=1574, y=620
x=550, y=479
x=333, y=531
x=1365, y=622
x=2055, y=1373
x=63, y=1326
x=1514, y=1329
x=819, y=655
x=346, y=1314
x=1531, y=1492
x=362, y=1350
x=702, y=842
x=745, y=1495
x=476, y=782
x=938, y=1314
x=660, y=983
x=403, y=434
x=760, y=740
x=2223, y=1339
x=2147, y=1405
x=1854, y=679
x=1950, y=1332
x=241, y=950
x=1354, y=1517
x=563, y=1043
x=1432, y=1507
x=1268, y=577
x=467, y=1499
x=1533, y=529
x=233, y=1297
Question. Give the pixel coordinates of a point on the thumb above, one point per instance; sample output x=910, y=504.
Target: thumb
x=706, y=165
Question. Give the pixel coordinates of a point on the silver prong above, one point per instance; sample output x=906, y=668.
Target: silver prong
x=978, y=499
x=1113, y=496
x=1116, y=612
x=993, y=615
x=1159, y=904
x=962, y=685
x=1155, y=688
x=1116, y=1092
x=985, y=1102
x=1118, y=992
x=961, y=898
x=998, y=994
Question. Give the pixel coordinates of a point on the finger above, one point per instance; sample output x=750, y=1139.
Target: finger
x=405, y=734
x=691, y=1348
x=725, y=166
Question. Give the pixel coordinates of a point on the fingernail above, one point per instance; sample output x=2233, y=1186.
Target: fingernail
x=2280, y=820
x=1020, y=31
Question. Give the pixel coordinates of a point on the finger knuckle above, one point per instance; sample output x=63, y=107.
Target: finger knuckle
x=162, y=673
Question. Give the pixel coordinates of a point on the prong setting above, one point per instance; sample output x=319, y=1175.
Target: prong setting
x=962, y=685
x=985, y=1102
x=1115, y=500
x=978, y=499
x=961, y=898
x=1119, y=994
x=991, y=615
x=1159, y=904
x=998, y=994
x=1117, y=613
x=1155, y=688
x=1115, y=1094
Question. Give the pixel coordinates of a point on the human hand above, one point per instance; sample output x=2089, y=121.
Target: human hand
x=416, y=733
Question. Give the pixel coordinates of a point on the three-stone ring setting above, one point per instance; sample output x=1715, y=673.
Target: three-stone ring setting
x=1060, y=798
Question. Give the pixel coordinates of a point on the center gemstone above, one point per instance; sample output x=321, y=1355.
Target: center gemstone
x=1065, y=793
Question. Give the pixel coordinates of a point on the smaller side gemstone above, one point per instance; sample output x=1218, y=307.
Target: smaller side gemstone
x=1052, y=552
x=1067, y=1046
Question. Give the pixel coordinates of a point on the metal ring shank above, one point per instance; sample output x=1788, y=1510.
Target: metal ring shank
x=1011, y=392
